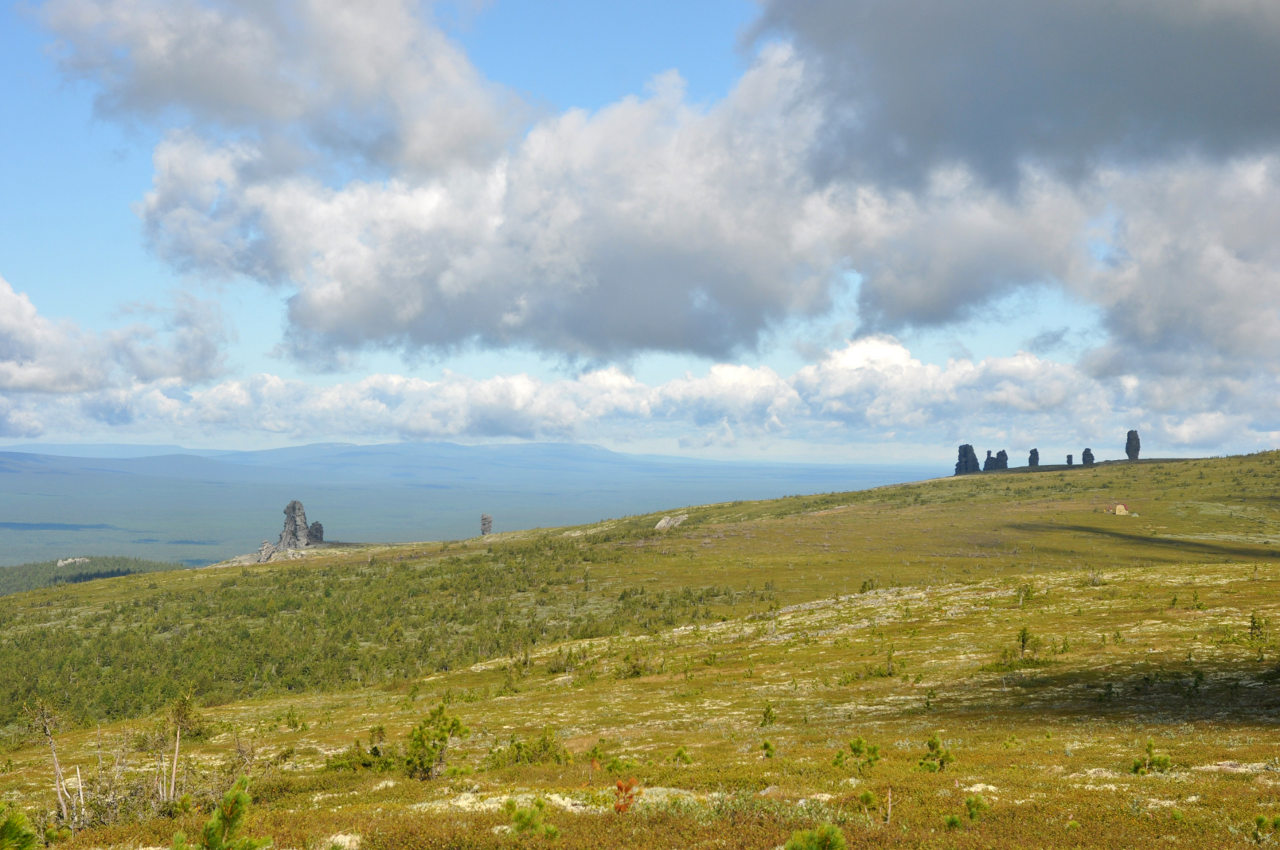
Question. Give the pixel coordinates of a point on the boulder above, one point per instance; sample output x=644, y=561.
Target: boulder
x=1132, y=445
x=315, y=534
x=1087, y=457
x=266, y=552
x=1033, y=459
x=669, y=522
x=967, y=462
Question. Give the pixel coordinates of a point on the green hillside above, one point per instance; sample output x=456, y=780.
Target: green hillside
x=74, y=570
x=1037, y=638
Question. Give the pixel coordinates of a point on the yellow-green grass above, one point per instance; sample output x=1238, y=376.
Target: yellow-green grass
x=890, y=615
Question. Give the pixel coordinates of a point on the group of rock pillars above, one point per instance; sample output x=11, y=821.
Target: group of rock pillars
x=967, y=462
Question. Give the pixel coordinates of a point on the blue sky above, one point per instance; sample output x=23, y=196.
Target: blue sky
x=816, y=230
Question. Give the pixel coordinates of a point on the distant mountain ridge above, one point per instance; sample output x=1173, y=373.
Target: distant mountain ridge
x=200, y=507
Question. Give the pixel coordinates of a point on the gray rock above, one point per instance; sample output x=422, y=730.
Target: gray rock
x=315, y=534
x=294, y=535
x=997, y=462
x=1132, y=445
x=486, y=524
x=1034, y=459
x=669, y=522
x=967, y=462
x=1087, y=457
x=1068, y=460
x=266, y=552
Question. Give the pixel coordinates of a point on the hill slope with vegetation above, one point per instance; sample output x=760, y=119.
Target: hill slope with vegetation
x=992, y=660
x=74, y=570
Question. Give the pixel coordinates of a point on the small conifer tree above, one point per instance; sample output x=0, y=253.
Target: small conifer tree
x=15, y=830
x=429, y=742
x=825, y=837
x=220, y=831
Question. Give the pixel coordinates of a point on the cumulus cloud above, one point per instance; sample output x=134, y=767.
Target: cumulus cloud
x=369, y=83
x=997, y=85
x=179, y=343
x=876, y=383
x=1126, y=152
x=649, y=225
x=37, y=355
x=866, y=391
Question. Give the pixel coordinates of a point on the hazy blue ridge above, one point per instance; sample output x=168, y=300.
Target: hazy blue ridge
x=197, y=509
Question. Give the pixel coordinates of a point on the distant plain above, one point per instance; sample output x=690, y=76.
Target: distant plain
x=167, y=504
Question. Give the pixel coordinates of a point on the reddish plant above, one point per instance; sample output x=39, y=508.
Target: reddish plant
x=625, y=794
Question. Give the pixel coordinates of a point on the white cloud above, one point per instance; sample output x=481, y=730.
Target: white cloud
x=650, y=225
x=368, y=83
x=1127, y=153
x=182, y=342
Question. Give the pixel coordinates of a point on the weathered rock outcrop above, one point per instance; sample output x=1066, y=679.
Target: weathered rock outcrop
x=486, y=524
x=294, y=535
x=999, y=461
x=669, y=522
x=967, y=462
x=1033, y=460
x=1087, y=457
x=1069, y=460
x=1132, y=445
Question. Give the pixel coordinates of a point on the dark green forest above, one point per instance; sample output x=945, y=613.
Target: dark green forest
x=48, y=573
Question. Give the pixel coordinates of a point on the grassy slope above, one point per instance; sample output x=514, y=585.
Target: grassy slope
x=47, y=573
x=890, y=614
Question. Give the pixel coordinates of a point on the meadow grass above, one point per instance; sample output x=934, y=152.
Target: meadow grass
x=1094, y=680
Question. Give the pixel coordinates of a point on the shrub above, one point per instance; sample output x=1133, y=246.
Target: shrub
x=220, y=832
x=863, y=755
x=15, y=831
x=825, y=837
x=625, y=795
x=429, y=741
x=356, y=758
x=544, y=749
x=937, y=757
x=1152, y=761
x=975, y=805
x=530, y=820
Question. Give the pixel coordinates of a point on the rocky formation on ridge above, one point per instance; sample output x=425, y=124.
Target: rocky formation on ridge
x=486, y=524
x=1087, y=457
x=1069, y=460
x=967, y=462
x=999, y=461
x=1033, y=460
x=1132, y=445
x=296, y=534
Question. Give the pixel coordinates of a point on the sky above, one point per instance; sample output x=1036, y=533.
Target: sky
x=820, y=230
